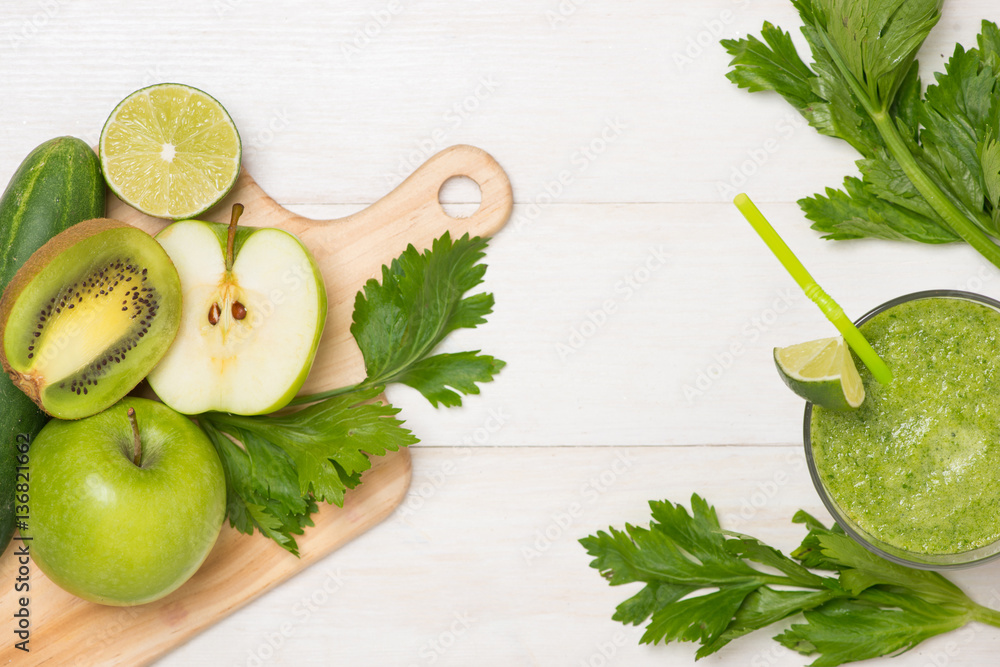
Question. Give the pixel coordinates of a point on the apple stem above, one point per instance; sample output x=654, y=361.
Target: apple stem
x=135, y=436
x=237, y=212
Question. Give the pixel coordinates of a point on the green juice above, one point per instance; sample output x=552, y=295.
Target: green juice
x=917, y=465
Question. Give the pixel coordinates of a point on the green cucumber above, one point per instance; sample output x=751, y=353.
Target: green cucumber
x=58, y=185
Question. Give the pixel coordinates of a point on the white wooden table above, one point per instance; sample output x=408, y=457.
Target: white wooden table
x=635, y=308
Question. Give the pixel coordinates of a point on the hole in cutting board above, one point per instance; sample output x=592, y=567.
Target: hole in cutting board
x=460, y=196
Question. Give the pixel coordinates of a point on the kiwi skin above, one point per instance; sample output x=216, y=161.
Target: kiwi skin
x=23, y=278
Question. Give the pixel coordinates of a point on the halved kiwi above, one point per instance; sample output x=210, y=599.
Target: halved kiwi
x=88, y=316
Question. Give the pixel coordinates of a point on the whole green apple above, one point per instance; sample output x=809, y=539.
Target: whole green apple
x=254, y=308
x=124, y=507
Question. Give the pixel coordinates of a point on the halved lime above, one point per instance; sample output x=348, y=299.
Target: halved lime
x=822, y=372
x=170, y=151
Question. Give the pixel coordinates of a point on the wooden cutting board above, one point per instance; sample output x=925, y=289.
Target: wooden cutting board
x=68, y=631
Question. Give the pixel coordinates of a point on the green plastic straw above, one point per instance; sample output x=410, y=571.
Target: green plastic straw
x=833, y=312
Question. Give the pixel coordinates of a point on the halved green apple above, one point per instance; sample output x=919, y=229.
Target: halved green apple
x=254, y=307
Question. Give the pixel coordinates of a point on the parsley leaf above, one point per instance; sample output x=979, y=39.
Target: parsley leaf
x=440, y=378
x=878, y=623
x=810, y=553
x=250, y=504
x=681, y=554
x=857, y=212
x=421, y=299
x=877, y=40
x=701, y=585
x=773, y=64
x=326, y=445
x=861, y=569
x=930, y=163
x=764, y=607
x=289, y=462
x=399, y=321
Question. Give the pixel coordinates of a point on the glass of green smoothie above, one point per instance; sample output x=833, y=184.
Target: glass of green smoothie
x=914, y=473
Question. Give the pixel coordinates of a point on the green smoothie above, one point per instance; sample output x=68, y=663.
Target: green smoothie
x=917, y=466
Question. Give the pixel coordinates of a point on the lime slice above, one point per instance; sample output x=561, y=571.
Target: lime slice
x=170, y=151
x=822, y=372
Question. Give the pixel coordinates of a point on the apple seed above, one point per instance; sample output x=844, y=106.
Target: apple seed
x=214, y=313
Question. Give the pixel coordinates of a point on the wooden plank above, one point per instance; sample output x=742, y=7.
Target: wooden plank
x=674, y=352
x=348, y=251
x=485, y=546
x=534, y=91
